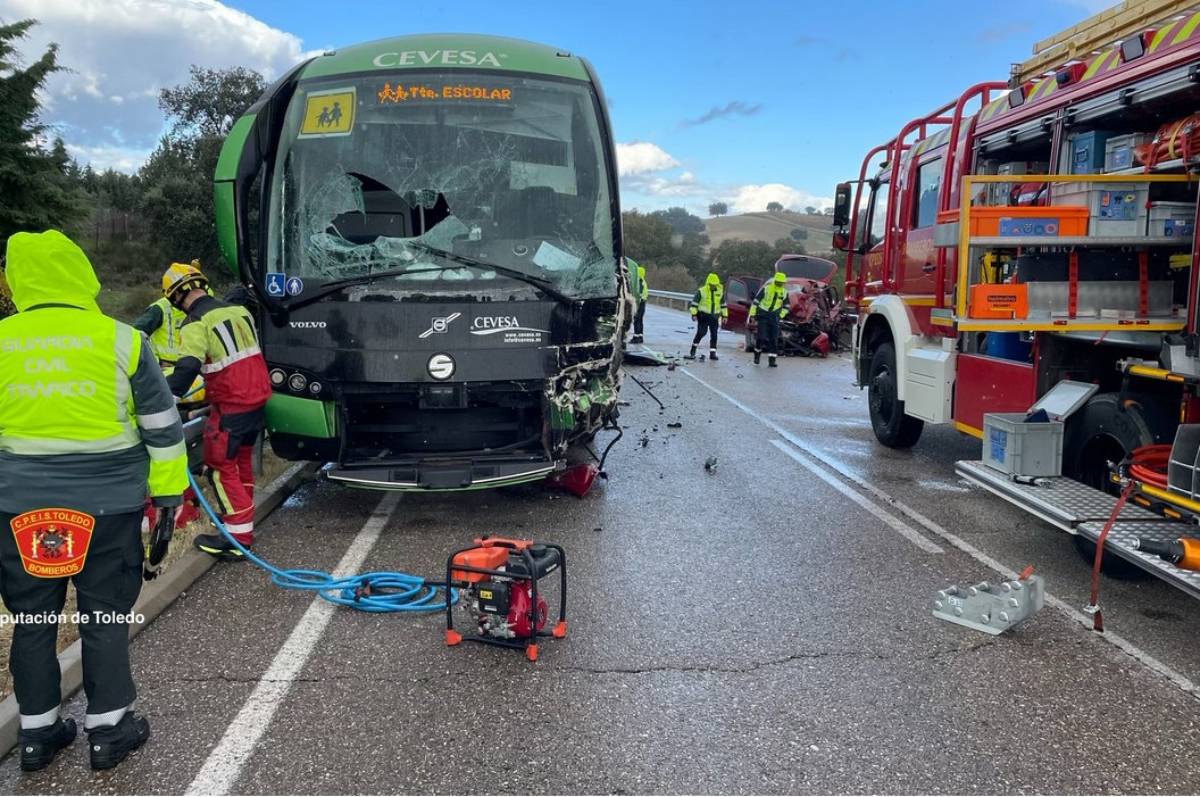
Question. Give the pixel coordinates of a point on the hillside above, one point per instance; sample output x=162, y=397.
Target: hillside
x=770, y=227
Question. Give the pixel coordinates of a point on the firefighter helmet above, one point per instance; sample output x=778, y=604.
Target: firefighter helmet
x=181, y=277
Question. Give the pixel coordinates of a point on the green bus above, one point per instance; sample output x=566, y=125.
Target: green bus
x=430, y=230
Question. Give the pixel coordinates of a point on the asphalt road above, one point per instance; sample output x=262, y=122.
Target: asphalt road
x=764, y=628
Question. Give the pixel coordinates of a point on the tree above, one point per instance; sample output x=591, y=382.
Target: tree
x=810, y=210
x=681, y=221
x=718, y=209
x=774, y=207
x=36, y=191
x=799, y=234
x=177, y=180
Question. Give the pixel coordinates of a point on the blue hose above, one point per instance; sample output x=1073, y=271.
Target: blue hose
x=378, y=592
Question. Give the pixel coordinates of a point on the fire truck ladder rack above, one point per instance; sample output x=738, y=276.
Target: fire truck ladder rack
x=1120, y=22
x=1071, y=316
x=1082, y=510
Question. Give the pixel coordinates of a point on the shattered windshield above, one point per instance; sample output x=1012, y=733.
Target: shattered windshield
x=376, y=172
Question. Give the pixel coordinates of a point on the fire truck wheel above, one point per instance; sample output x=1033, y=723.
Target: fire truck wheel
x=892, y=427
x=1102, y=432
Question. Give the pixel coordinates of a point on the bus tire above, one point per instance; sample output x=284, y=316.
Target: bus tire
x=1104, y=431
x=892, y=427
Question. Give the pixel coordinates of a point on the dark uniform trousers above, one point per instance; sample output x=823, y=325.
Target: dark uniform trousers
x=707, y=322
x=639, y=317
x=768, y=332
x=108, y=585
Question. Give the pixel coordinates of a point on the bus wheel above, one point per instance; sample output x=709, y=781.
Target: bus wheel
x=892, y=427
x=1100, y=433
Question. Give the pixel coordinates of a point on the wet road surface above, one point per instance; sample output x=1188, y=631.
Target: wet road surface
x=761, y=628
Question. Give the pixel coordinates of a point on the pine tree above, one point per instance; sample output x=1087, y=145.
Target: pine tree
x=35, y=190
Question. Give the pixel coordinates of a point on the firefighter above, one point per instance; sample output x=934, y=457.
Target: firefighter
x=220, y=340
x=709, y=310
x=643, y=294
x=771, y=300
x=163, y=325
x=80, y=449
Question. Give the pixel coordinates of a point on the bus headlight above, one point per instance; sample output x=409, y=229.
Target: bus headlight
x=314, y=387
x=298, y=382
x=278, y=376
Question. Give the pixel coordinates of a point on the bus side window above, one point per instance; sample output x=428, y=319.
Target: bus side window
x=929, y=180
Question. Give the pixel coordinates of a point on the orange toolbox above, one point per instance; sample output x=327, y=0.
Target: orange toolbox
x=1005, y=300
x=1050, y=221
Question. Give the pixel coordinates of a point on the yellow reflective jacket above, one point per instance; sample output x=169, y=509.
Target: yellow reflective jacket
x=86, y=419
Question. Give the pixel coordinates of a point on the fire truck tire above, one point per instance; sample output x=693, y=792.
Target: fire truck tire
x=1101, y=432
x=892, y=427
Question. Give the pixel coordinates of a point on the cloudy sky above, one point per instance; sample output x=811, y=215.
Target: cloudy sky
x=747, y=102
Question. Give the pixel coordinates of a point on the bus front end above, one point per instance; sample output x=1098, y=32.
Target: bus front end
x=431, y=231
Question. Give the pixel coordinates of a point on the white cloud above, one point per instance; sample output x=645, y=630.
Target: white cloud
x=117, y=54
x=754, y=198
x=642, y=157
x=122, y=159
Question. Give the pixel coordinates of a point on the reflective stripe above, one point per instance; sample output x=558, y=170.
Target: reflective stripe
x=165, y=453
x=231, y=346
x=35, y=446
x=1160, y=37
x=1098, y=63
x=31, y=722
x=219, y=365
x=122, y=354
x=159, y=420
x=107, y=719
x=1187, y=29
x=240, y=528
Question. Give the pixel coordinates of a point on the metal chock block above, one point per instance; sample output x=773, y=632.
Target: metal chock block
x=991, y=608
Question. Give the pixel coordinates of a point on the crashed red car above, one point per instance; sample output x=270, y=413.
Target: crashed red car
x=816, y=321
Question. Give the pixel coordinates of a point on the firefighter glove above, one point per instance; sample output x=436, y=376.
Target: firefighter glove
x=156, y=542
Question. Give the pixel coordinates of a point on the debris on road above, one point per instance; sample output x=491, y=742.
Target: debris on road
x=649, y=392
x=992, y=609
x=675, y=425
x=644, y=357
x=576, y=480
x=710, y=465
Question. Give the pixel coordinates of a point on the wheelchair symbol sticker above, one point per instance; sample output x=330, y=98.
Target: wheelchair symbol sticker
x=275, y=284
x=295, y=286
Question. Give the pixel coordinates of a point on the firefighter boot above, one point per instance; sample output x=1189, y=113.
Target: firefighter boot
x=636, y=339
x=712, y=355
x=109, y=745
x=40, y=745
x=692, y=354
x=771, y=361
x=216, y=545
x=757, y=356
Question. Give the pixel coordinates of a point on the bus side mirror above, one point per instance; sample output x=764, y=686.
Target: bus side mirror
x=841, y=205
x=841, y=241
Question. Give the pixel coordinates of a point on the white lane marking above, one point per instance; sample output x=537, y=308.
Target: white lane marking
x=225, y=763
x=899, y=526
x=1122, y=644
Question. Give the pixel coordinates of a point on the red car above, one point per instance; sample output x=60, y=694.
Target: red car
x=816, y=318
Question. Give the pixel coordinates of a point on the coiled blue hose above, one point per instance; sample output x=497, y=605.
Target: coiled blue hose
x=377, y=592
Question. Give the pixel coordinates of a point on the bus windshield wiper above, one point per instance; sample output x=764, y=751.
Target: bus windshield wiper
x=328, y=288
x=541, y=283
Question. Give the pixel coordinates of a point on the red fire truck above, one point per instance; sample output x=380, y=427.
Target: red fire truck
x=1022, y=262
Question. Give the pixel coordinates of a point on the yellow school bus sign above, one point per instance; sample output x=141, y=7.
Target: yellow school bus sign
x=328, y=113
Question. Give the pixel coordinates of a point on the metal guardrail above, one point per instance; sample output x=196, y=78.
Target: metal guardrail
x=670, y=299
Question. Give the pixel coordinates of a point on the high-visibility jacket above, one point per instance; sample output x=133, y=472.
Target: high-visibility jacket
x=167, y=338
x=643, y=288
x=771, y=298
x=86, y=419
x=710, y=300
x=221, y=342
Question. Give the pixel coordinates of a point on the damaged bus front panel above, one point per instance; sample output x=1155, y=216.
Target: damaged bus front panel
x=431, y=230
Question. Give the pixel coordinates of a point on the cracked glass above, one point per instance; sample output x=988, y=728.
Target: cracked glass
x=509, y=171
